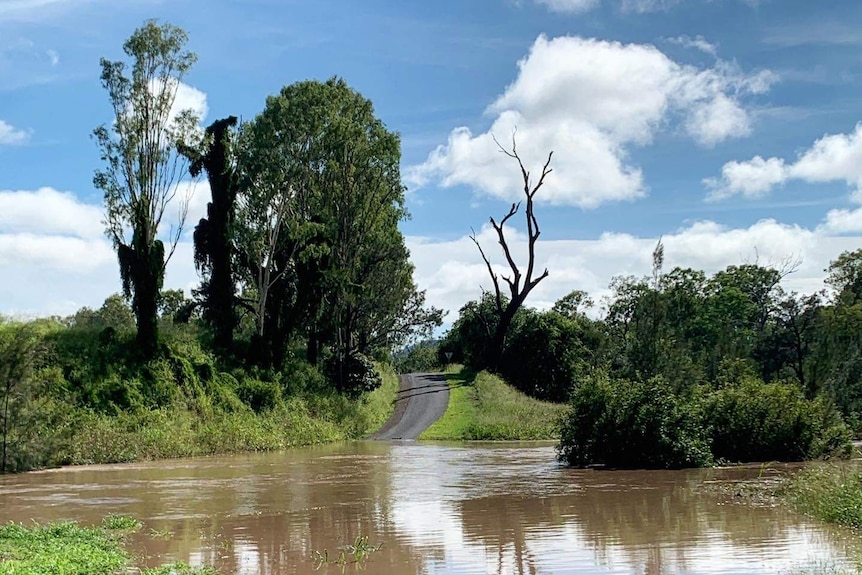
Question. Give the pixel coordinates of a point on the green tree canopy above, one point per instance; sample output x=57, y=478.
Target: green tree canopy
x=142, y=165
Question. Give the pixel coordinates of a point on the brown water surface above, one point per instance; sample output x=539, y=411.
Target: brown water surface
x=492, y=508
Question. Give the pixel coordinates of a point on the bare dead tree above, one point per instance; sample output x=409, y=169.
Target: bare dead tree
x=518, y=289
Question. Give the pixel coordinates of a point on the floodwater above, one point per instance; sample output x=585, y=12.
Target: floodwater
x=459, y=509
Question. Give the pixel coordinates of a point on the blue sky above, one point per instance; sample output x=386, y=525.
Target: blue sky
x=729, y=127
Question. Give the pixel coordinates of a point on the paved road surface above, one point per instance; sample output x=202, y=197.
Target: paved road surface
x=421, y=401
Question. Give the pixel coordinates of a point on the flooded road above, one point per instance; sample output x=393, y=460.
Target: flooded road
x=455, y=509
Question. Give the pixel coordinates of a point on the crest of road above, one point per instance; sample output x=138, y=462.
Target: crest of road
x=422, y=399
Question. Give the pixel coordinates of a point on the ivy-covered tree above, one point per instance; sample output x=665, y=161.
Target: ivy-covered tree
x=214, y=234
x=142, y=164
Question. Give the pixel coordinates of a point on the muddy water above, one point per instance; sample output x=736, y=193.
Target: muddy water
x=461, y=509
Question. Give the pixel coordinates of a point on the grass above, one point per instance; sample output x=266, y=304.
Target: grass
x=70, y=549
x=484, y=407
x=181, y=432
x=829, y=492
x=356, y=554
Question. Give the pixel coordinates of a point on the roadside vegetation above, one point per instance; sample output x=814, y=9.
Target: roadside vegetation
x=70, y=549
x=483, y=407
x=306, y=289
x=829, y=492
x=684, y=369
x=81, y=400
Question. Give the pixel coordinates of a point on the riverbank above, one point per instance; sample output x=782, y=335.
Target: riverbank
x=70, y=549
x=175, y=431
x=829, y=492
x=81, y=397
x=484, y=407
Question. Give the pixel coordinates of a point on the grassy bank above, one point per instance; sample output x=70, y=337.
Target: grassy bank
x=69, y=549
x=829, y=492
x=484, y=407
x=178, y=431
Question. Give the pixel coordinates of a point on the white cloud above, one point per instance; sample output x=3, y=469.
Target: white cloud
x=843, y=221
x=752, y=179
x=50, y=264
x=636, y=6
x=572, y=6
x=644, y=6
x=698, y=43
x=189, y=98
x=53, y=56
x=197, y=193
x=452, y=271
x=590, y=101
x=186, y=98
x=54, y=257
x=10, y=135
x=832, y=158
x=47, y=211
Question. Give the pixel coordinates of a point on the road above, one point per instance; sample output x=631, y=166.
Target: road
x=421, y=401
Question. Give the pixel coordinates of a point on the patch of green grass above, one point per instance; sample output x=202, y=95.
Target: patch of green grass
x=60, y=549
x=484, y=407
x=69, y=549
x=829, y=492
x=177, y=431
x=357, y=554
x=121, y=523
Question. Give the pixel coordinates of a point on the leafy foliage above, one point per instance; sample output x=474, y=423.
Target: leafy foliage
x=422, y=357
x=622, y=423
x=753, y=421
x=142, y=163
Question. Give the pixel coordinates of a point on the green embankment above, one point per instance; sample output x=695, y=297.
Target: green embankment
x=177, y=431
x=69, y=549
x=484, y=407
x=829, y=492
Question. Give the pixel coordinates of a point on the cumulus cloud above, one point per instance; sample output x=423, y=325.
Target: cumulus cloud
x=10, y=135
x=54, y=257
x=47, y=211
x=452, y=271
x=832, y=158
x=843, y=221
x=635, y=6
x=590, y=101
x=187, y=98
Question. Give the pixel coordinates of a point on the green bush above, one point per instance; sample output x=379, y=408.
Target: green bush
x=355, y=375
x=423, y=357
x=756, y=421
x=259, y=395
x=544, y=354
x=628, y=424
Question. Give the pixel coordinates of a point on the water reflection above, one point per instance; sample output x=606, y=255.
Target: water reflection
x=495, y=508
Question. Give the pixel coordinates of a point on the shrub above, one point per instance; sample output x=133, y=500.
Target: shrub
x=543, y=354
x=756, y=421
x=628, y=424
x=359, y=374
x=259, y=395
x=421, y=358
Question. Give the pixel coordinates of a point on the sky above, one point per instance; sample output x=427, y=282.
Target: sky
x=731, y=129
